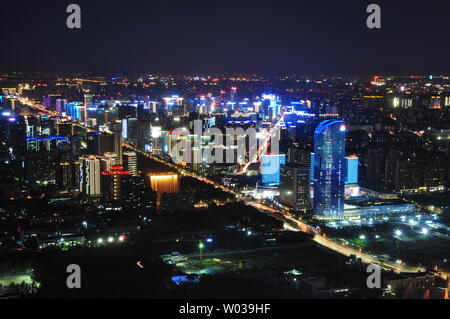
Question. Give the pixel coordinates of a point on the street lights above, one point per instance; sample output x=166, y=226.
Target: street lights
x=201, y=246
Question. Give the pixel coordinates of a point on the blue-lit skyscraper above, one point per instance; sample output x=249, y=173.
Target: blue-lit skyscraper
x=270, y=169
x=351, y=170
x=329, y=169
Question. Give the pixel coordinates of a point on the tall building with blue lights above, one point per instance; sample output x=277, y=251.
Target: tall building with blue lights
x=270, y=168
x=351, y=170
x=329, y=169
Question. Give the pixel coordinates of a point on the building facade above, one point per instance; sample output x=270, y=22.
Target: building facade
x=329, y=169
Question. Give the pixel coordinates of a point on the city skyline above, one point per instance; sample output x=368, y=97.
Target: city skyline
x=225, y=151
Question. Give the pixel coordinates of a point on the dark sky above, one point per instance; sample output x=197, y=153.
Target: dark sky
x=198, y=36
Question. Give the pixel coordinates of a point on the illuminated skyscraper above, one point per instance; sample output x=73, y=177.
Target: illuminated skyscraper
x=68, y=176
x=117, y=130
x=90, y=175
x=270, y=168
x=106, y=161
x=351, y=170
x=130, y=162
x=173, y=102
x=112, y=183
x=294, y=187
x=329, y=169
x=233, y=94
x=61, y=105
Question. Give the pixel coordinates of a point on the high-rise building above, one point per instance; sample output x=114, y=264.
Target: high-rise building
x=88, y=101
x=64, y=176
x=375, y=166
x=136, y=194
x=351, y=170
x=270, y=168
x=132, y=130
x=294, y=187
x=117, y=129
x=100, y=143
x=233, y=94
x=90, y=175
x=65, y=129
x=112, y=183
x=106, y=161
x=50, y=101
x=130, y=162
x=61, y=105
x=68, y=176
x=329, y=169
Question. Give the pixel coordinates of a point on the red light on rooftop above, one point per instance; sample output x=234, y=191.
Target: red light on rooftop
x=118, y=172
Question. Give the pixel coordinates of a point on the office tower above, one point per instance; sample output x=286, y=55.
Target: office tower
x=41, y=166
x=132, y=130
x=270, y=168
x=63, y=176
x=299, y=154
x=106, y=143
x=130, y=163
x=351, y=170
x=64, y=129
x=88, y=100
x=233, y=94
x=76, y=175
x=106, y=161
x=90, y=175
x=271, y=105
x=77, y=111
x=67, y=176
x=13, y=139
x=311, y=168
x=117, y=130
x=152, y=105
x=50, y=101
x=294, y=187
x=434, y=175
x=136, y=194
x=375, y=166
x=329, y=169
x=112, y=183
x=156, y=140
x=92, y=143
x=172, y=102
x=61, y=105
x=45, y=124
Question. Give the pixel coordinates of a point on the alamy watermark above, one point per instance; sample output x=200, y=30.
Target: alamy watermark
x=213, y=145
x=74, y=19
x=374, y=19
x=74, y=279
x=374, y=279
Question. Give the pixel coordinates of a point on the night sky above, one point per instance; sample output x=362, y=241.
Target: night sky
x=197, y=36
